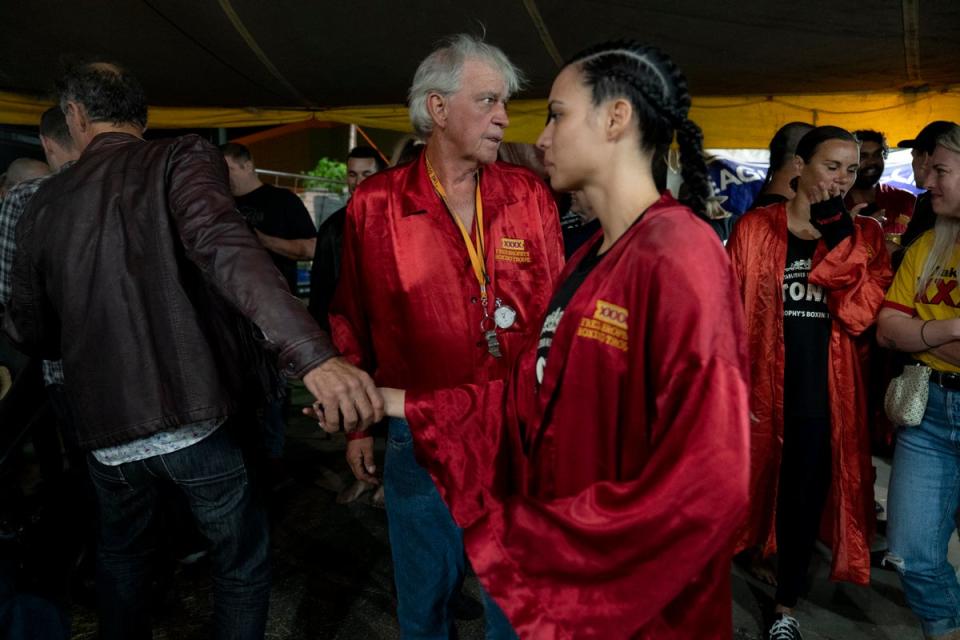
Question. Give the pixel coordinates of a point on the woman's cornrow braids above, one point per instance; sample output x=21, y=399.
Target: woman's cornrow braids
x=649, y=77
x=693, y=168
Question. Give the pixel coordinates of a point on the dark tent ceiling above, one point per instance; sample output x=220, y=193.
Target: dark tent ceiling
x=302, y=53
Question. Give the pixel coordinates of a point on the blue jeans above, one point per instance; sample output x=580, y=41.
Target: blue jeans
x=274, y=422
x=212, y=477
x=427, y=548
x=922, y=502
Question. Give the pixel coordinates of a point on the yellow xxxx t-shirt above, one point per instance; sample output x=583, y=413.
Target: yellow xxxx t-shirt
x=941, y=300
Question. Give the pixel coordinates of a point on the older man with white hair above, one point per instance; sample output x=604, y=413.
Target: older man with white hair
x=448, y=262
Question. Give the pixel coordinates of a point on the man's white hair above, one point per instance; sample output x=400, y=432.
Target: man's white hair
x=440, y=72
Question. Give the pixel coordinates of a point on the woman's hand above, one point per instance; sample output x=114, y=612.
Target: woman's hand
x=828, y=215
x=393, y=405
x=393, y=402
x=822, y=191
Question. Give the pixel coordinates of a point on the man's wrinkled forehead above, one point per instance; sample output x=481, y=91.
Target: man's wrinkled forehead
x=478, y=78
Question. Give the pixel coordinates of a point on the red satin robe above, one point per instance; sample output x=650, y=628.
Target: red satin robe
x=407, y=305
x=603, y=503
x=855, y=274
x=897, y=205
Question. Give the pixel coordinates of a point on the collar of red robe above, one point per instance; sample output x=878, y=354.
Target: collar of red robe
x=418, y=195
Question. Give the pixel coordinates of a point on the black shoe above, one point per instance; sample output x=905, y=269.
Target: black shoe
x=785, y=628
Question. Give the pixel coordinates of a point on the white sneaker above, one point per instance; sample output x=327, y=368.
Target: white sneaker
x=785, y=628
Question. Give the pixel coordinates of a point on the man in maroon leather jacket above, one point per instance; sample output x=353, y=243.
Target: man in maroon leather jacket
x=135, y=267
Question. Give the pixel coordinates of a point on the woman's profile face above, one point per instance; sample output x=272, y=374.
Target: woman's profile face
x=834, y=164
x=572, y=137
x=943, y=182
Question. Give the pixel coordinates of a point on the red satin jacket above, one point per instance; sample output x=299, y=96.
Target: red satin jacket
x=855, y=274
x=897, y=205
x=603, y=503
x=406, y=307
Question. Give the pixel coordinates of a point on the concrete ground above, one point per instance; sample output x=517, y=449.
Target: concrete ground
x=332, y=572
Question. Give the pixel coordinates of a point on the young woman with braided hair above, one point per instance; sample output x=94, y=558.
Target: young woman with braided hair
x=599, y=488
x=812, y=276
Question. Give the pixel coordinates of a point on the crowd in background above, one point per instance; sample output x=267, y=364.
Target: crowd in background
x=524, y=323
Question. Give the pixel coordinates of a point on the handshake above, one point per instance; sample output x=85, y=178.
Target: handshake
x=346, y=397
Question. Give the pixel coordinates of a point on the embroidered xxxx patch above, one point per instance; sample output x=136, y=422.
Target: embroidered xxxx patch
x=608, y=325
x=512, y=250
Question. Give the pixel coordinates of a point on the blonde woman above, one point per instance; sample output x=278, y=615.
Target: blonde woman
x=921, y=316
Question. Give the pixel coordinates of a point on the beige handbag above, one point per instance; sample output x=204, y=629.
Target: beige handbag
x=906, y=398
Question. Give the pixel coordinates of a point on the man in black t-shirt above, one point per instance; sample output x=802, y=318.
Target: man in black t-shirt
x=778, y=185
x=275, y=213
x=362, y=162
x=280, y=219
x=921, y=148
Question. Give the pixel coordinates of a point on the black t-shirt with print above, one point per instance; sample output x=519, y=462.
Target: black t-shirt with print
x=561, y=298
x=806, y=335
x=279, y=213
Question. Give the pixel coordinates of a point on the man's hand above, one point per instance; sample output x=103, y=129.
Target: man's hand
x=343, y=390
x=360, y=459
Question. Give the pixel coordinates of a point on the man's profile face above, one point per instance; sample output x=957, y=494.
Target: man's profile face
x=56, y=155
x=919, y=162
x=871, y=165
x=358, y=170
x=477, y=113
x=238, y=171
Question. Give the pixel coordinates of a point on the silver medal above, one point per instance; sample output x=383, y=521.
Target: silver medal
x=504, y=316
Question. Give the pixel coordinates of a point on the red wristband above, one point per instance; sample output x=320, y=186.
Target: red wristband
x=358, y=435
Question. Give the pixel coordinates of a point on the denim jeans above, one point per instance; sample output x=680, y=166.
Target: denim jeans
x=922, y=501
x=212, y=477
x=427, y=548
x=274, y=422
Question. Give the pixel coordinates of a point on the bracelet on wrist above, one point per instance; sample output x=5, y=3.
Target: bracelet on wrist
x=922, y=337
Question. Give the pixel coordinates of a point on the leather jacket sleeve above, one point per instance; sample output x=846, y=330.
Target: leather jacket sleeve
x=30, y=320
x=216, y=239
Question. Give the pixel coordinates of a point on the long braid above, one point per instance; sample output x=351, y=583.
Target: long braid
x=658, y=91
x=693, y=168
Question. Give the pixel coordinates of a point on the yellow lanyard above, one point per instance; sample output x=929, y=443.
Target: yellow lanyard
x=476, y=252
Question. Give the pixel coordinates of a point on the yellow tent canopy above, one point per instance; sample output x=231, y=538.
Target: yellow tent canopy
x=751, y=65
x=727, y=121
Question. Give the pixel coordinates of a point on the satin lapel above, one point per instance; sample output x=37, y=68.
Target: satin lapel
x=778, y=245
x=417, y=194
x=419, y=199
x=495, y=202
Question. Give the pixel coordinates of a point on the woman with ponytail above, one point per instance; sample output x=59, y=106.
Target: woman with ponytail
x=599, y=488
x=812, y=276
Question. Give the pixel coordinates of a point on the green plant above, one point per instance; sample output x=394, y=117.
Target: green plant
x=332, y=172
